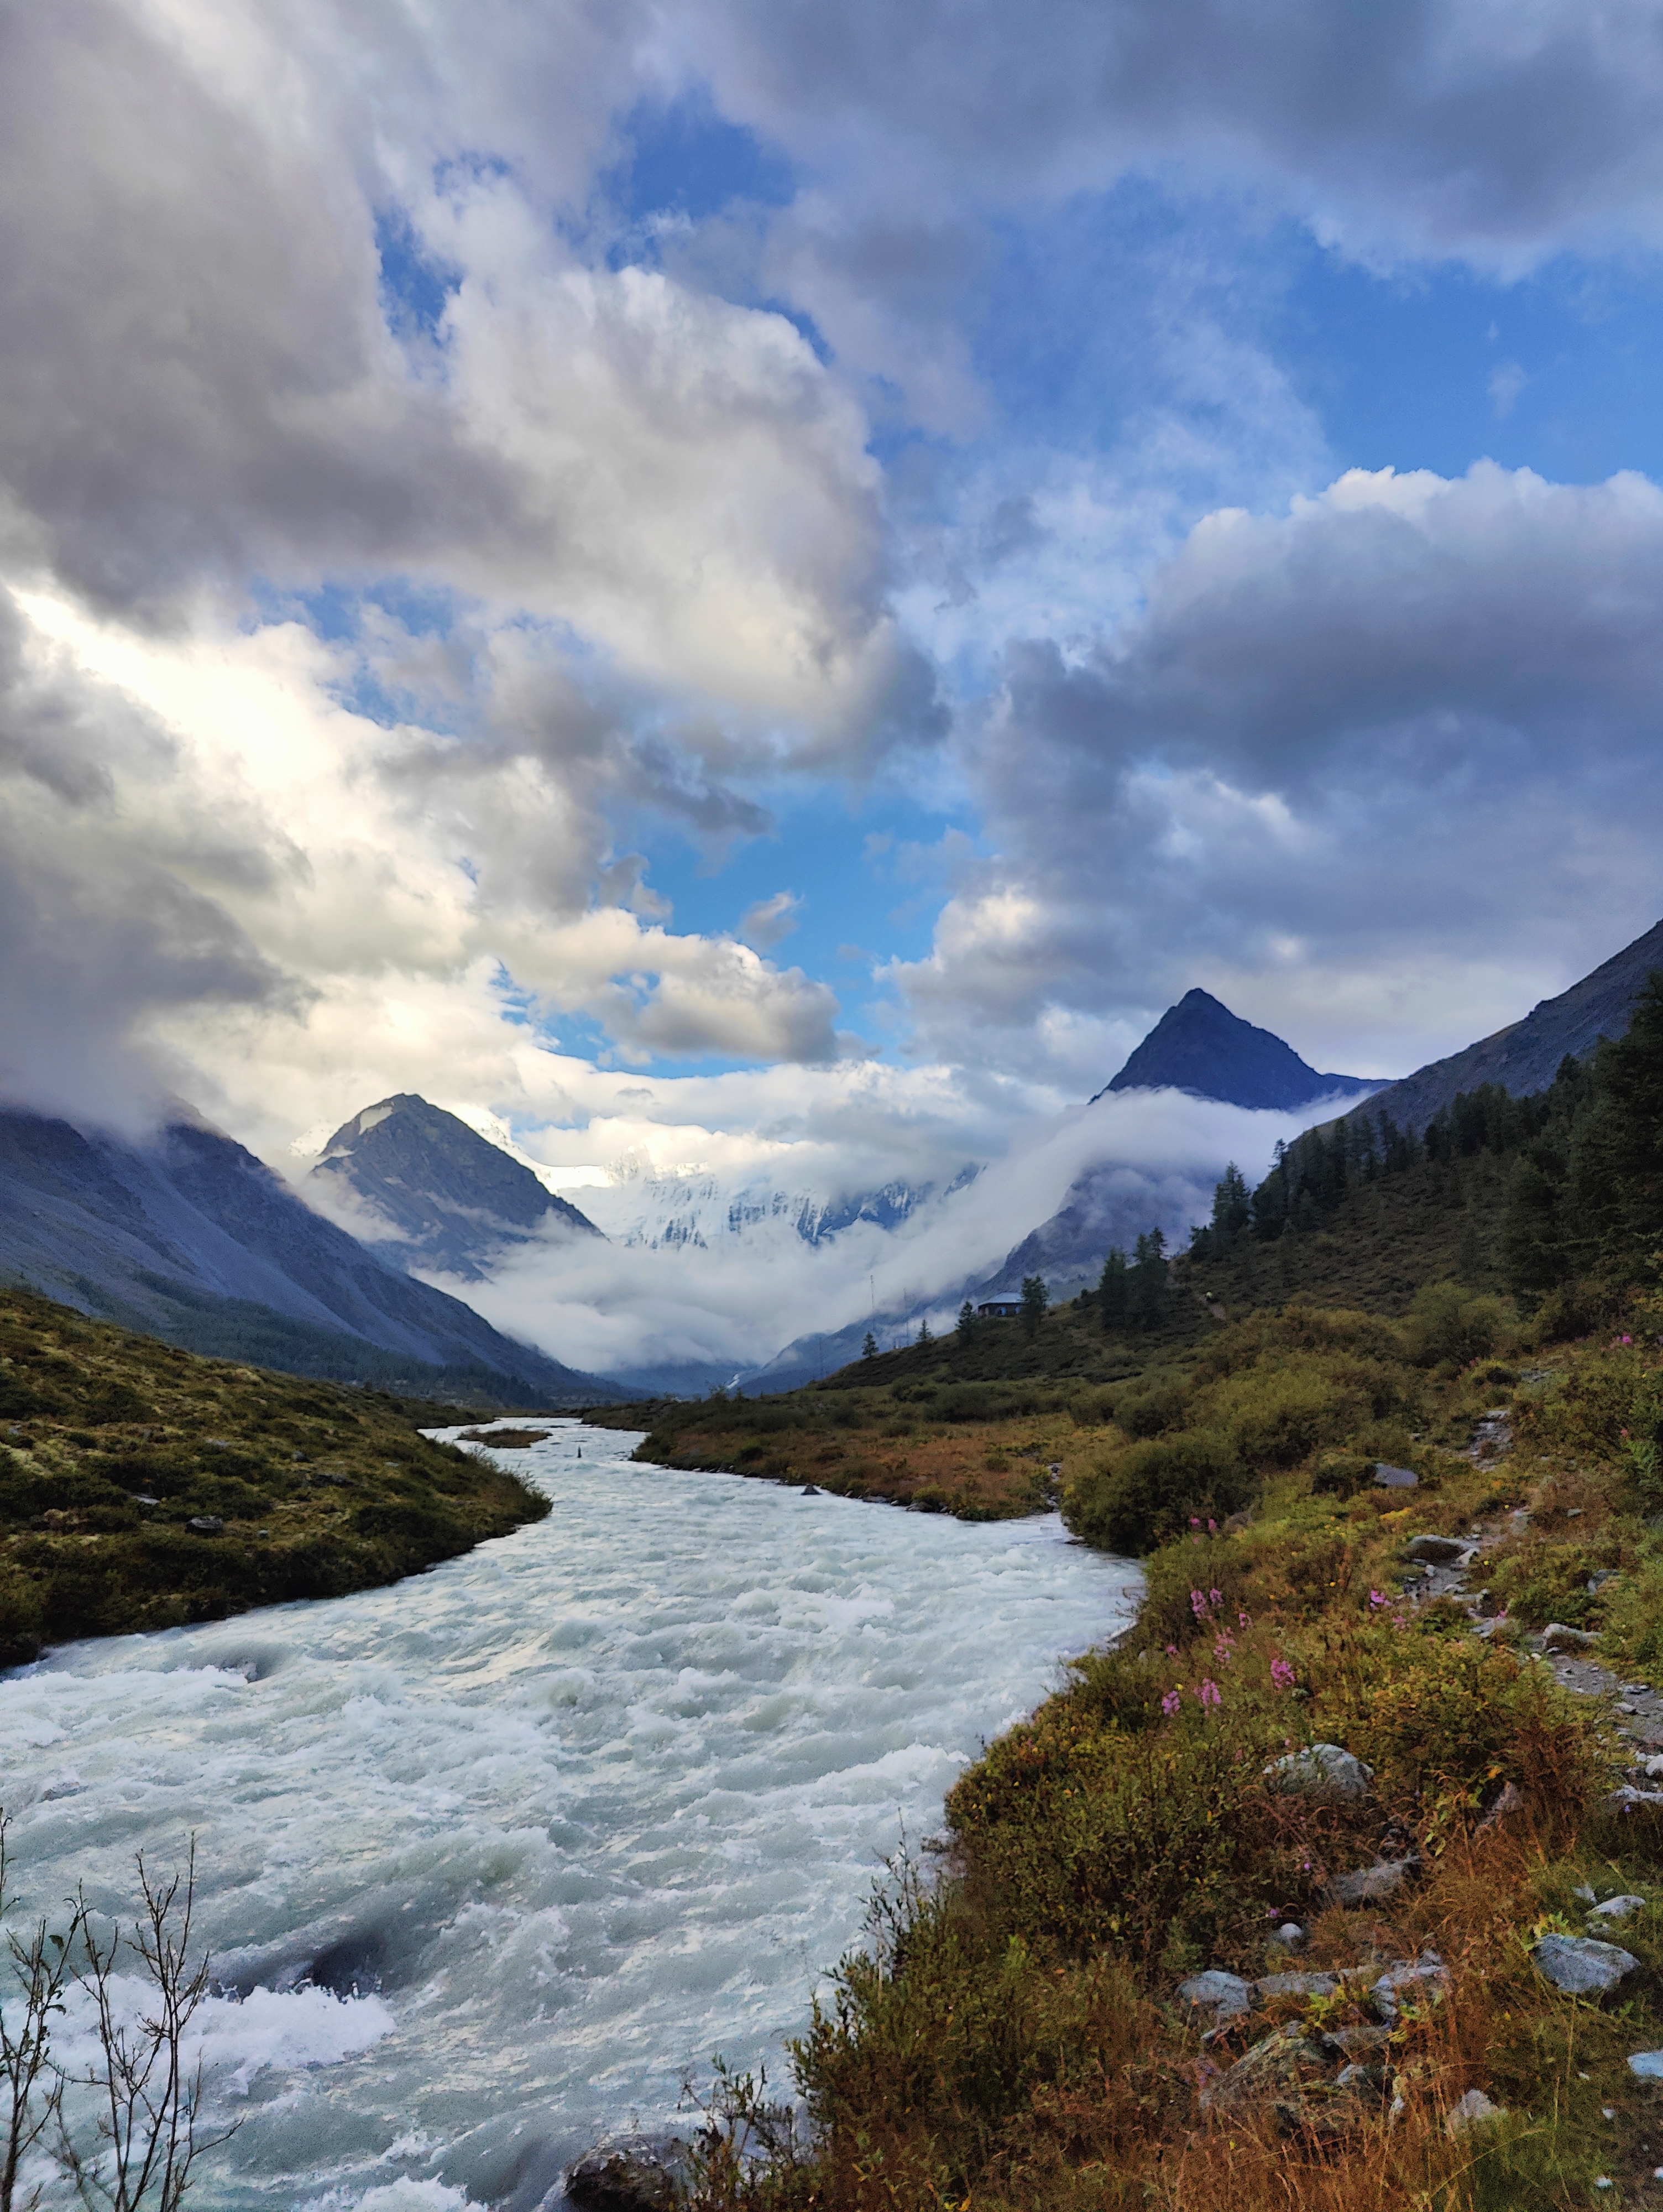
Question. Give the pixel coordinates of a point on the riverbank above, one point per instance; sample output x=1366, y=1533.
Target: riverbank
x=1040, y=2026
x=143, y=1487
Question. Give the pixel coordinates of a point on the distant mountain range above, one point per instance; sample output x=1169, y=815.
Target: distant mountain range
x=1201, y=1047
x=432, y=1192
x=190, y=1238
x=705, y=1211
x=1525, y=1056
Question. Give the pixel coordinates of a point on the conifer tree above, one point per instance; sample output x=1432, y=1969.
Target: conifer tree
x=869, y=1349
x=1231, y=1208
x=924, y=1335
x=1112, y=1293
x=1035, y=1299
x=966, y=1321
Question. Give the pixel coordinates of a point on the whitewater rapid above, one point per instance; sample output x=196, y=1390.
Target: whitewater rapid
x=562, y=1819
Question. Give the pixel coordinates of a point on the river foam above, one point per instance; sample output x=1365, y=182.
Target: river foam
x=489, y=1860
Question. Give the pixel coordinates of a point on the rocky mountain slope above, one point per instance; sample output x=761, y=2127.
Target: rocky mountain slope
x=1524, y=1056
x=191, y=1238
x=1199, y=1045
x=447, y=1198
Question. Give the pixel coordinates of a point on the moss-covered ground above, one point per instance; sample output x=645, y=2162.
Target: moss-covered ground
x=111, y=1445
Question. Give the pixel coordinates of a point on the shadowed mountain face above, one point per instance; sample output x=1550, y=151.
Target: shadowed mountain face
x=191, y=1238
x=1200, y=1045
x=1525, y=1056
x=451, y=1200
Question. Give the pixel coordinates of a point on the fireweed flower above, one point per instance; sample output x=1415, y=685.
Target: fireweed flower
x=1216, y=1596
x=1172, y=1651
x=1243, y=1621
x=1281, y=1675
x=1221, y=1649
x=1171, y=1702
x=1198, y=1605
x=1377, y=1598
x=1212, y=1528
x=1210, y=1694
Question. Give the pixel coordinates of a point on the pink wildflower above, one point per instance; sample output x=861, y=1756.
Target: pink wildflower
x=1281, y=1675
x=1243, y=1621
x=1198, y=1605
x=1195, y=1521
x=1171, y=1702
x=1221, y=1651
x=1210, y=1694
x=1172, y=1651
x=1377, y=1598
x=1212, y=1528
x=1217, y=1596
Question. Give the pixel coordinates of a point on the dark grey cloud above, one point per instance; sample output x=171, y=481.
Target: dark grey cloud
x=1441, y=125
x=1411, y=725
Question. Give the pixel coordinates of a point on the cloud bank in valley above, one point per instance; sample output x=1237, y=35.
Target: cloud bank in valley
x=729, y=1303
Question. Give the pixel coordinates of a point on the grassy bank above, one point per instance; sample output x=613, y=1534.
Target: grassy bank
x=111, y=1445
x=1010, y=2035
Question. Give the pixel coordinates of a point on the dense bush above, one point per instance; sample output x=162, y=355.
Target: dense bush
x=1153, y=1491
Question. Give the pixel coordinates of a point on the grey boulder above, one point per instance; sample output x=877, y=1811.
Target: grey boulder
x=1472, y=2110
x=1321, y=1770
x=1373, y=1885
x=1617, y=1909
x=623, y=2176
x=1225, y=1996
x=1581, y=1966
x=1427, y=1976
x=1436, y=1551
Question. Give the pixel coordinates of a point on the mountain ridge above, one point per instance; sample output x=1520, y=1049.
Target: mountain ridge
x=1524, y=1055
x=190, y=1238
x=1200, y=1045
x=452, y=1200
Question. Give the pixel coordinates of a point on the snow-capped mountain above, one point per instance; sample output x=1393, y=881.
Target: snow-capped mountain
x=699, y=1210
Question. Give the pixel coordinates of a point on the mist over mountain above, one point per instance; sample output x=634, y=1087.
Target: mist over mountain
x=432, y=1192
x=1200, y=1045
x=188, y=1237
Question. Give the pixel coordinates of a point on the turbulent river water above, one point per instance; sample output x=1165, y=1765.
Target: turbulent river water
x=488, y=1861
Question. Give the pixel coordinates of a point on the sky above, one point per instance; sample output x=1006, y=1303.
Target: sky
x=764, y=588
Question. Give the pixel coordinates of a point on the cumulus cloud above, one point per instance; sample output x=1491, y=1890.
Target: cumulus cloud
x=1292, y=758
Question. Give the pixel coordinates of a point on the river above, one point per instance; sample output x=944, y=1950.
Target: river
x=561, y=1819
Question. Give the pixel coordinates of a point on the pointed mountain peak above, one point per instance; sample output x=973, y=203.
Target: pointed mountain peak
x=451, y=1200
x=1201, y=1047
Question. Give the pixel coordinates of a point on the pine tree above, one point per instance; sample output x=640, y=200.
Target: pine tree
x=1035, y=1299
x=869, y=1349
x=1630, y=1074
x=924, y=1335
x=966, y=1321
x=1112, y=1293
x=1147, y=1280
x=1232, y=1209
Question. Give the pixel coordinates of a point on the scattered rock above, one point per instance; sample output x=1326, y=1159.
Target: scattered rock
x=1509, y=1803
x=626, y=2177
x=1558, y=1636
x=1328, y=2110
x=1222, y=1996
x=1615, y=1910
x=1286, y=2059
x=1587, y=1895
x=811, y=1490
x=1427, y=1976
x=1373, y=1885
x=1648, y=2064
x=204, y=1524
x=1625, y=1798
x=1322, y=1770
x=1581, y=1966
x=1289, y=1936
x=1347, y=2042
x=1472, y=2110
x=1395, y=1478
x=1598, y=1580
x=1435, y=1550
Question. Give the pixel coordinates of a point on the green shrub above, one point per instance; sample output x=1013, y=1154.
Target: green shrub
x=1154, y=1403
x=1448, y=1323
x=1150, y=1493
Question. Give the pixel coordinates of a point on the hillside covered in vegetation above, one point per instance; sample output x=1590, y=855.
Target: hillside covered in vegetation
x=141, y=1486
x=1337, y=1882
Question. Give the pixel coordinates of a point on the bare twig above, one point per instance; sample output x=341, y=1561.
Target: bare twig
x=39, y=1969
x=145, y=2138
